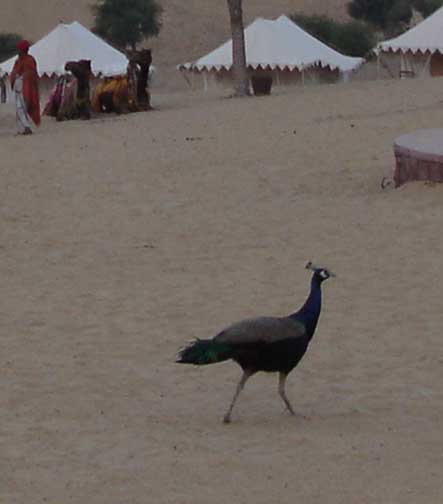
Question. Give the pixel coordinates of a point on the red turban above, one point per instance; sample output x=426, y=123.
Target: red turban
x=23, y=46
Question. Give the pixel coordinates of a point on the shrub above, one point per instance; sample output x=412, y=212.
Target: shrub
x=427, y=7
x=125, y=22
x=352, y=38
x=8, y=42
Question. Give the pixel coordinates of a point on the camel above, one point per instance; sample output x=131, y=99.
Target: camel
x=127, y=93
x=70, y=98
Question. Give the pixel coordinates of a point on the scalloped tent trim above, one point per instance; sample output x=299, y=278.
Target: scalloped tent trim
x=413, y=50
x=255, y=66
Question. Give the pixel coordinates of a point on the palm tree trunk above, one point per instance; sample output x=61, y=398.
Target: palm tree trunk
x=241, y=81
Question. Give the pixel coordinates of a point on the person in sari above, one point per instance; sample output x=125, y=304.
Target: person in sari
x=24, y=82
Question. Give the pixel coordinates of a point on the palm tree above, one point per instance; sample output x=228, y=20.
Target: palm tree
x=241, y=81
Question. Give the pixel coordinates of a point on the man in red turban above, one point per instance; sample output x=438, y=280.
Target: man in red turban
x=24, y=82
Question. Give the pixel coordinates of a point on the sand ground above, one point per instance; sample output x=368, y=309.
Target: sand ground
x=125, y=237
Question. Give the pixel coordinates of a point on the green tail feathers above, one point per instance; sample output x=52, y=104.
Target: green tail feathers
x=202, y=352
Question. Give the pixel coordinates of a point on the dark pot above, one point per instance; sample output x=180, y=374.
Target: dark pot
x=261, y=84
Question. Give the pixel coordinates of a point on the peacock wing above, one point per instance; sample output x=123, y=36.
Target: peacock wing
x=261, y=329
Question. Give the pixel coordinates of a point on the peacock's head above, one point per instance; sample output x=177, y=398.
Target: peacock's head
x=320, y=274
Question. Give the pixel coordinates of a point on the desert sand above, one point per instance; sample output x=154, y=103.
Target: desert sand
x=123, y=238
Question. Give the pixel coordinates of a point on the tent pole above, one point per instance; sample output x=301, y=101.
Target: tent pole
x=205, y=82
x=188, y=82
x=378, y=64
x=402, y=66
x=426, y=65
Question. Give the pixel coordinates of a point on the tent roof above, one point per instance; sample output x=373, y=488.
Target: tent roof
x=278, y=44
x=70, y=42
x=423, y=37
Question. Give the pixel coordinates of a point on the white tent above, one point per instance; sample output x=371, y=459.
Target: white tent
x=420, y=49
x=70, y=42
x=276, y=45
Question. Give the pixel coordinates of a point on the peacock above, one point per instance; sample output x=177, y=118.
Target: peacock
x=270, y=344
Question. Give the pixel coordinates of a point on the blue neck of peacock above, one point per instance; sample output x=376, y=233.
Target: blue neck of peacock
x=310, y=311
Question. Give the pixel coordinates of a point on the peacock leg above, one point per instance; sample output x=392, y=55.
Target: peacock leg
x=241, y=384
x=281, y=390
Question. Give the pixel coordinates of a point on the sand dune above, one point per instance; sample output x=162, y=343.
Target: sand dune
x=125, y=237
x=189, y=30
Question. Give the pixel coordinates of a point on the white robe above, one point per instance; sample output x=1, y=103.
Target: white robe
x=23, y=121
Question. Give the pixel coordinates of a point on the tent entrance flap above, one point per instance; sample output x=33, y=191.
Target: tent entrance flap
x=436, y=64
